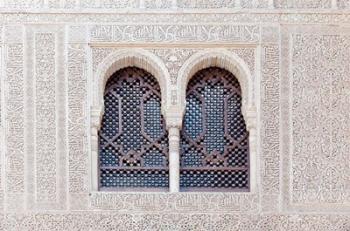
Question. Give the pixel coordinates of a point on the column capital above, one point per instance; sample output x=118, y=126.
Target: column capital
x=173, y=124
x=173, y=117
x=96, y=116
x=250, y=117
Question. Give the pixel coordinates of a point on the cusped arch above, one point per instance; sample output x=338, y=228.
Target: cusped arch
x=223, y=59
x=131, y=57
x=229, y=61
x=115, y=61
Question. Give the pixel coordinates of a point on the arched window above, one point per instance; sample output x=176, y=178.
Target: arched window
x=133, y=143
x=214, y=138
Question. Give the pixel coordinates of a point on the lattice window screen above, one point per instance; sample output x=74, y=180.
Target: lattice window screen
x=214, y=138
x=133, y=143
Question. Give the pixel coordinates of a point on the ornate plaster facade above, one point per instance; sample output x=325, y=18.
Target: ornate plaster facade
x=291, y=58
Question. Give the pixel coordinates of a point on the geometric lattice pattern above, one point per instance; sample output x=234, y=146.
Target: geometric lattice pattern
x=133, y=142
x=214, y=138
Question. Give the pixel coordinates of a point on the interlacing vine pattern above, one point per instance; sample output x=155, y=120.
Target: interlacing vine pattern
x=214, y=138
x=133, y=142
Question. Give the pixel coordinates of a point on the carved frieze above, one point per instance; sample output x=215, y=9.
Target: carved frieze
x=270, y=96
x=314, y=137
x=320, y=122
x=107, y=4
x=167, y=4
x=77, y=100
x=315, y=4
x=187, y=4
x=343, y=4
x=2, y=130
x=45, y=127
x=255, y=3
x=157, y=4
x=14, y=159
x=174, y=58
x=45, y=118
x=178, y=19
x=174, y=33
x=174, y=221
x=180, y=202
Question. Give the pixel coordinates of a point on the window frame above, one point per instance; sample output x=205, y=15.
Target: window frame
x=173, y=99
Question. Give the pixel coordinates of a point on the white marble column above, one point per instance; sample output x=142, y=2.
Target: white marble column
x=174, y=158
x=96, y=117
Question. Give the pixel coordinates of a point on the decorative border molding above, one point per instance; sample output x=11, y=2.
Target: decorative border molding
x=166, y=5
x=175, y=202
x=176, y=19
x=78, y=160
x=2, y=120
x=173, y=221
x=15, y=151
x=287, y=147
x=175, y=33
x=45, y=117
x=269, y=128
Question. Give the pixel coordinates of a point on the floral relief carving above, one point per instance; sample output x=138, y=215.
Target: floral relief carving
x=174, y=221
x=320, y=122
x=255, y=3
x=344, y=4
x=45, y=128
x=98, y=54
x=270, y=96
x=195, y=202
x=45, y=118
x=163, y=4
x=15, y=123
x=173, y=59
x=206, y=4
x=119, y=3
x=178, y=19
x=78, y=157
x=248, y=55
x=303, y=3
x=167, y=4
x=174, y=33
x=1, y=124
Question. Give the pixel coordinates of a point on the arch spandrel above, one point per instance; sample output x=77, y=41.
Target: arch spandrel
x=129, y=57
x=224, y=59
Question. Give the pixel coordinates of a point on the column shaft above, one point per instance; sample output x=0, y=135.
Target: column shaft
x=174, y=159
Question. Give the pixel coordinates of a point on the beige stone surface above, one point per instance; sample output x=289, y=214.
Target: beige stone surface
x=292, y=59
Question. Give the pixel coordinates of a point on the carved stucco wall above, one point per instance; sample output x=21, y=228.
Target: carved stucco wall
x=171, y=4
x=299, y=66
